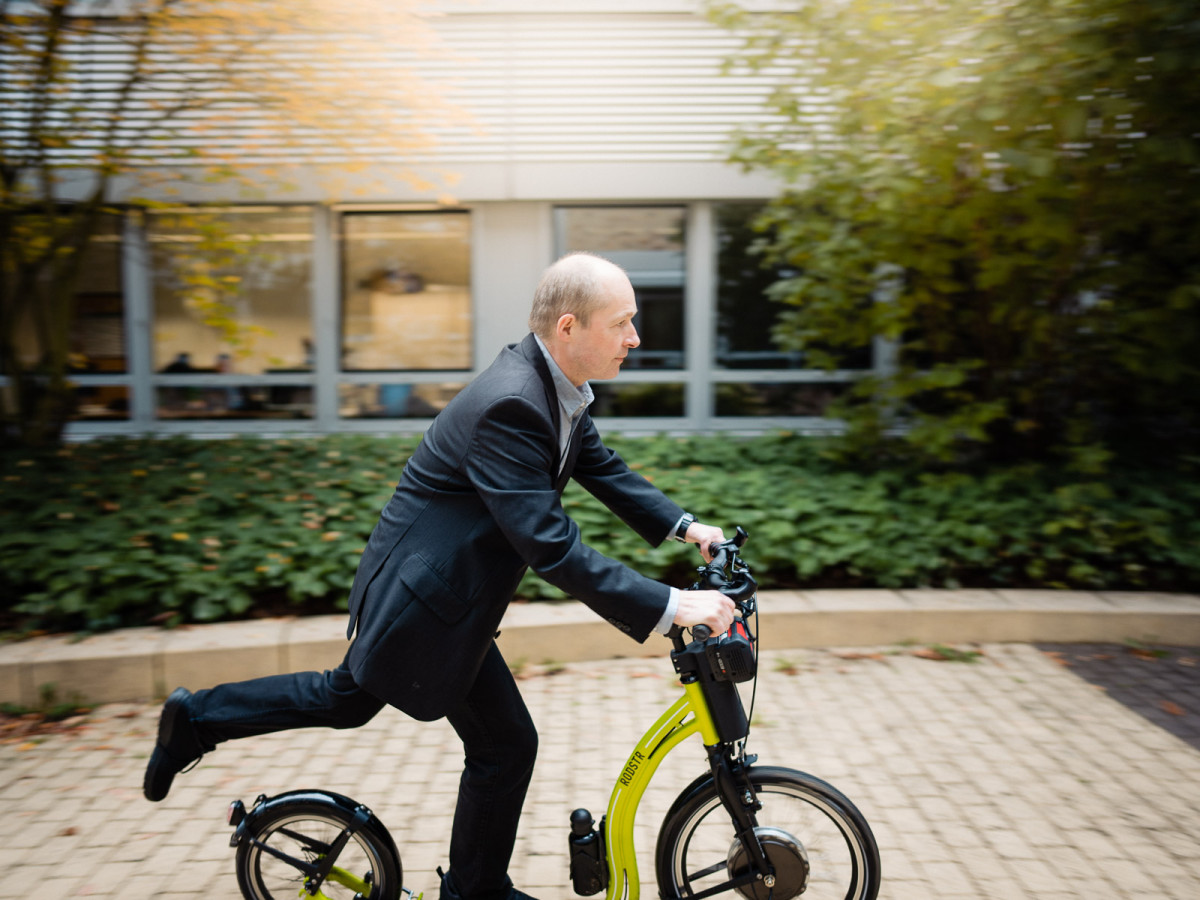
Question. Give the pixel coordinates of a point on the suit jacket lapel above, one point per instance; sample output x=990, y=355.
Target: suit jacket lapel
x=533, y=353
x=537, y=359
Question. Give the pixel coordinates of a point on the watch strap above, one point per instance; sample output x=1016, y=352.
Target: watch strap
x=685, y=522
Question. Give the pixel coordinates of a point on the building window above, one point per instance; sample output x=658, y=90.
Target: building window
x=746, y=317
x=395, y=400
x=766, y=398
x=97, y=341
x=232, y=290
x=98, y=334
x=636, y=400
x=95, y=337
x=232, y=297
x=406, y=293
x=648, y=243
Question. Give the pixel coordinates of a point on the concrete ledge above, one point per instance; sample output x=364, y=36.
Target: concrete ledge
x=145, y=663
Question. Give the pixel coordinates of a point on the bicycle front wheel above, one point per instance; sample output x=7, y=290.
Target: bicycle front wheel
x=304, y=831
x=814, y=838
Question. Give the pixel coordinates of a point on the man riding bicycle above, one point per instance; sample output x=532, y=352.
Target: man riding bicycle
x=477, y=504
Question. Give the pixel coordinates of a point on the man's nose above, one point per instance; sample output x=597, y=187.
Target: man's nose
x=632, y=339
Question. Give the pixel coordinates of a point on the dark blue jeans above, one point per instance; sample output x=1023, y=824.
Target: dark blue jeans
x=499, y=743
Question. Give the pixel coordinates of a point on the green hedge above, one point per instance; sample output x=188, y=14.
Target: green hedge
x=121, y=532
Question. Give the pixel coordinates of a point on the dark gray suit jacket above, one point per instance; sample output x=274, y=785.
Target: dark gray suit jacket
x=478, y=503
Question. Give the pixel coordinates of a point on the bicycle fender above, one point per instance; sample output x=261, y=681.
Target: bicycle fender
x=308, y=796
x=697, y=785
x=705, y=782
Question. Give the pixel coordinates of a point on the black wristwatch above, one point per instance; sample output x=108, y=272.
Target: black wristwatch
x=684, y=524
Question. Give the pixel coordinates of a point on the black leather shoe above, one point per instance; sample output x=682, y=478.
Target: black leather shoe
x=176, y=749
x=450, y=891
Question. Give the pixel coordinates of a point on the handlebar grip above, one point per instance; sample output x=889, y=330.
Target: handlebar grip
x=716, y=569
x=701, y=633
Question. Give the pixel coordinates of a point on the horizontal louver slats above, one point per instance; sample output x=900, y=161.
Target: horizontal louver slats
x=537, y=88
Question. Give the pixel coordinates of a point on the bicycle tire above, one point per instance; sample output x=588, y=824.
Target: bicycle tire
x=295, y=828
x=816, y=839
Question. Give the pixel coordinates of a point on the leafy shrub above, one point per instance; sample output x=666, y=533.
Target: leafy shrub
x=122, y=532
x=1018, y=221
x=113, y=532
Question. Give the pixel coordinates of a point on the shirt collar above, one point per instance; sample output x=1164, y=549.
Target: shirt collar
x=572, y=399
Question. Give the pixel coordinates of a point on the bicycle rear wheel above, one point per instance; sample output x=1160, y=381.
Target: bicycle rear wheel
x=816, y=840
x=303, y=831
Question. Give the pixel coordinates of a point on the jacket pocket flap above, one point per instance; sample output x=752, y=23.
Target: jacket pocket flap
x=432, y=589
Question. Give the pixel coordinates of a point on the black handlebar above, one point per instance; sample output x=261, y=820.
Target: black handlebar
x=738, y=585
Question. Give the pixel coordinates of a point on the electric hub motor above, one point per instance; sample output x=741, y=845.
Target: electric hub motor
x=787, y=857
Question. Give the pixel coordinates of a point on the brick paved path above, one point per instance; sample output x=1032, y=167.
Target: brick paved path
x=1012, y=777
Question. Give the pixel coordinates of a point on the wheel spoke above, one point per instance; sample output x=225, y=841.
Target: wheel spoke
x=816, y=842
x=308, y=831
x=702, y=873
x=320, y=848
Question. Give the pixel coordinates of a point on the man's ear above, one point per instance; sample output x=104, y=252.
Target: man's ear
x=565, y=326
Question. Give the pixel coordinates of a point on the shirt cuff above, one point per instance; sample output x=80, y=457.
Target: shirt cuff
x=668, y=616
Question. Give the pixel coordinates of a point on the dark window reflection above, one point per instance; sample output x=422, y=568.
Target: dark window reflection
x=637, y=399
x=775, y=399
x=648, y=243
x=101, y=402
x=746, y=317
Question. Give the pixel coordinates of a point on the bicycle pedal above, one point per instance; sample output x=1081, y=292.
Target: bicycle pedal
x=411, y=895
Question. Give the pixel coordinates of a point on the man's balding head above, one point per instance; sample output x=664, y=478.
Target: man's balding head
x=578, y=283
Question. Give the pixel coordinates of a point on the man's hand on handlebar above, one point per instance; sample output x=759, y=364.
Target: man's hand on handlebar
x=711, y=608
x=704, y=535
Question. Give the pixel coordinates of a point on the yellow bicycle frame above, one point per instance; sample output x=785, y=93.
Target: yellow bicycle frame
x=347, y=880
x=687, y=716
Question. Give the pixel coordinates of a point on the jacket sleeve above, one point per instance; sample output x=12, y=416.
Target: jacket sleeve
x=510, y=462
x=607, y=477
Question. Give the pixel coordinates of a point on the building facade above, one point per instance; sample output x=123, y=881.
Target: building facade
x=599, y=126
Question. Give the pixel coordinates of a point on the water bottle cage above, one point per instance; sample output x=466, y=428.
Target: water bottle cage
x=589, y=866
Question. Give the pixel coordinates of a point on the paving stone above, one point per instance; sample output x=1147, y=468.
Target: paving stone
x=1014, y=776
x=951, y=877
